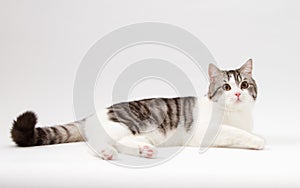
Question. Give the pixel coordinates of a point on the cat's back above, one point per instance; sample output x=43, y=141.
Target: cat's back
x=162, y=113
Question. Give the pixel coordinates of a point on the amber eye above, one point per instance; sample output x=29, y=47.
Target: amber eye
x=226, y=87
x=244, y=85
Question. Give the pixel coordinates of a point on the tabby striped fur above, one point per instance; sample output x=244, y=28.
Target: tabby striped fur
x=163, y=112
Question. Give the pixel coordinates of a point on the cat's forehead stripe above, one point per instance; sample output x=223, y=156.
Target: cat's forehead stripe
x=235, y=75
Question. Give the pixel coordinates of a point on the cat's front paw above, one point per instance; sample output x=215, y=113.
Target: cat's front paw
x=109, y=153
x=257, y=143
x=147, y=151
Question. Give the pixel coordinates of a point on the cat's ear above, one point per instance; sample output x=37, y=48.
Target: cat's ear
x=247, y=68
x=213, y=71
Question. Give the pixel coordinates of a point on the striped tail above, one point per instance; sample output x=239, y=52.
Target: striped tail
x=25, y=134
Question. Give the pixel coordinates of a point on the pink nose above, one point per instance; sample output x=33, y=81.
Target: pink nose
x=238, y=94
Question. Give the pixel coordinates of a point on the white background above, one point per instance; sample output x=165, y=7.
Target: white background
x=43, y=42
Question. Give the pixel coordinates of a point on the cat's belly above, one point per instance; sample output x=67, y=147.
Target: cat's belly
x=176, y=137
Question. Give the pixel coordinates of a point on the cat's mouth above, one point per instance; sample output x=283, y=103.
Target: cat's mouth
x=238, y=100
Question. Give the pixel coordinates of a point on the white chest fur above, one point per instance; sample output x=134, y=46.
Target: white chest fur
x=236, y=115
x=239, y=117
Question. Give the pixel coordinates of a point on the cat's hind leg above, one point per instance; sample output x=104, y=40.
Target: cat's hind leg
x=232, y=137
x=102, y=135
x=136, y=146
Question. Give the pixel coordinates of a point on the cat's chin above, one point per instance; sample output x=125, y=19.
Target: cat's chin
x=239, y=104
x=235, y=104
x=243, y=101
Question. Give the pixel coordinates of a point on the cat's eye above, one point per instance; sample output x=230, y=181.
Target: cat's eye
x=244, y=85
x=226, y=87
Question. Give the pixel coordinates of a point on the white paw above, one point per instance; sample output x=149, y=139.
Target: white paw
x=257, y=143
x=147, y=151
x=109, y=153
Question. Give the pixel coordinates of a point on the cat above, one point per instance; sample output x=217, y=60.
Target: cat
x=138, y=127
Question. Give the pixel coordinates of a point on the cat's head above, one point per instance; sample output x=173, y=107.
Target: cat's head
x=232, y=86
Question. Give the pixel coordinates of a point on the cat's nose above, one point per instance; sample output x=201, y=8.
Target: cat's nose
x=238, y=94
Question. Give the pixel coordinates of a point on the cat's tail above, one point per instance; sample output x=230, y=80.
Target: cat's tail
x=24, y=133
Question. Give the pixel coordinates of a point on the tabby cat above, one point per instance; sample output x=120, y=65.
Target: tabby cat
x=138, y=127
